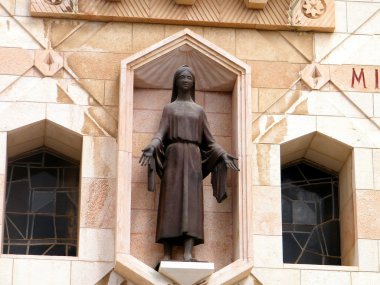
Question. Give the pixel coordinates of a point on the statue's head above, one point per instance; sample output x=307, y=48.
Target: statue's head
x=184, y=69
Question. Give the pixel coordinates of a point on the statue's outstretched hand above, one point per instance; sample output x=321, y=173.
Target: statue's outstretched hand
x=146, y=156
x=231, y=161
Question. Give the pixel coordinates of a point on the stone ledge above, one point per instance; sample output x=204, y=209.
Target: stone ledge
x=186, y=273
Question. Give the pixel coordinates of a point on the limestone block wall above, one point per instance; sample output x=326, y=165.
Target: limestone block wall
x=288, y=116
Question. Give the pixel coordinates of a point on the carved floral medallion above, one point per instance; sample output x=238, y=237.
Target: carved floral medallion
x=313, y=8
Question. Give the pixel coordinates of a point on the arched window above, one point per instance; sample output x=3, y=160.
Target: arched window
x=310, y=215
x=41, y=210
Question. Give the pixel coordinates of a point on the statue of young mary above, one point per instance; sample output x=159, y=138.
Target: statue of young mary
x=183, y=152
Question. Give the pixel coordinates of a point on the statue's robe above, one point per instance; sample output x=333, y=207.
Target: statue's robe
x=185, y=153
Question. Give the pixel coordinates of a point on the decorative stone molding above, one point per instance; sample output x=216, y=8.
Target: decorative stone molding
x=321, y=13
x=306, y=15
x=255, y=4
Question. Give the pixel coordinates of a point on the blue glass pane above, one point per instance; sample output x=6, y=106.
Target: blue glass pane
x=44, y=177
x=43, y=227
x=18, y=197
x=291, y=248
x=301, y=238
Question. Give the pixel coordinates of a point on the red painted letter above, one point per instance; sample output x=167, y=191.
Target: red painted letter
x=357, y=78
x=376, y=78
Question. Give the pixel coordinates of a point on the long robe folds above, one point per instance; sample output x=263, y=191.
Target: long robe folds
x=185, y=153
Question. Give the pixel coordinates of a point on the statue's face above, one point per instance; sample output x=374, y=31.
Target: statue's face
x=185, y=81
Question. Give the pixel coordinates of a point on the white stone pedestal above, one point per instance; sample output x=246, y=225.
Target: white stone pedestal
x=186, y=273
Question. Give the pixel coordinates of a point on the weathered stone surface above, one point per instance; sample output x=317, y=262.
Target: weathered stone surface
x=218, y=102
x=28, y=271
x=368, y=225
x=272, y=256
x=368, y=258
x=88, y=273
x=148, y=35
x=14, y=35
x=104, y=120
x=96, y=65
x=6, y=266
x=113, y=37
x=111, y=92
x=309, y=277
x=267, y=46
x=266, y=168
x=95, y=88
x=98, y=200
x=15, y=61
x=271, y=74
x=96, y=245
x=277, y=276
x=266, y=214
x=223, y=37
x=363, y=169
x=359, y=278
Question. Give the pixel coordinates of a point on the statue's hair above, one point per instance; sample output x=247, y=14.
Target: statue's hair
x=177, y=74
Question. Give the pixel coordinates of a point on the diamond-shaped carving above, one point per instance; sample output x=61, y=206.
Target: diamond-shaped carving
x=48, y=62
x=315, y=75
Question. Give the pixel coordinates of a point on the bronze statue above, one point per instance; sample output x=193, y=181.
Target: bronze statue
x=183, y=152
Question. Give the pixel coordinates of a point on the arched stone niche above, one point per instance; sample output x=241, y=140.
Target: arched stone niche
x=146, y=79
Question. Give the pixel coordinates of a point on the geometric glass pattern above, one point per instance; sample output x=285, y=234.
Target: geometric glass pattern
x=41, y=205
x=310, y=215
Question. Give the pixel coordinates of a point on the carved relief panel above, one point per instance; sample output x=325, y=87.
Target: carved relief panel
x=314, y=15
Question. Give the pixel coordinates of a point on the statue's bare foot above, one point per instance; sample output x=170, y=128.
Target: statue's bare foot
x=167, y=251
x=188, y=248
x=187, y=256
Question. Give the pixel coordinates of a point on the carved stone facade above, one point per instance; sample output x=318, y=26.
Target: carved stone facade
x=88, y=79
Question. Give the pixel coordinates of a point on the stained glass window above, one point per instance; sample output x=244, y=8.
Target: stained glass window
x=310, y=215
x=41, y=212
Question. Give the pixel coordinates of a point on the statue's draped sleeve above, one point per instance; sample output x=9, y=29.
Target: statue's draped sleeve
x=212, y=162
x=158, y=143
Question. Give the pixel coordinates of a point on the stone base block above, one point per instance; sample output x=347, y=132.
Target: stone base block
x=186, y=273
